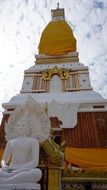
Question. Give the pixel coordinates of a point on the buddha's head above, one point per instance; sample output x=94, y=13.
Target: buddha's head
x=23, y=126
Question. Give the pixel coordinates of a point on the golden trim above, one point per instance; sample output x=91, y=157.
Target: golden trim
x=83, y=179
x=33, y=75
x=46, y=75
x=79, y=72
x=56, y=60
x=68, y=174
x=63, y=73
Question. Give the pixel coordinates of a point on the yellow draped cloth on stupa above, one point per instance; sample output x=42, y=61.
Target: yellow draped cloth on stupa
x=87, y=158
x=57, y=39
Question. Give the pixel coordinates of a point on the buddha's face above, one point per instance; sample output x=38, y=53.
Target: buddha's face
x=22, y=127
x=22, y=123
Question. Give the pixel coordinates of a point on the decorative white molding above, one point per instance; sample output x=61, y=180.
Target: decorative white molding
x=42, y=67
x=27, y=84
x=66, y=112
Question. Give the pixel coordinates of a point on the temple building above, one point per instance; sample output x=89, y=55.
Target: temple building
x=77, y=113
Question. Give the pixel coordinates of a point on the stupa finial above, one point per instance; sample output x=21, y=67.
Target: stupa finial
x=58, y=5
x=58, y=13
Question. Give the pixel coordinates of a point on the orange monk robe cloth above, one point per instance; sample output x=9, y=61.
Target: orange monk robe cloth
x=87, y=158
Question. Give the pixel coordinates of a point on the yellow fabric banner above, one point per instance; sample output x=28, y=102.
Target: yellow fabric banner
x=87, y=158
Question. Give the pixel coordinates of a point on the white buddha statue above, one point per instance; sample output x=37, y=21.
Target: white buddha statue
x=24, y=154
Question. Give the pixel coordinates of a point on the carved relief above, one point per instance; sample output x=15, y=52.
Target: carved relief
x=54, y=151
x=63, y=73
x=35, y=116
x=55, y=122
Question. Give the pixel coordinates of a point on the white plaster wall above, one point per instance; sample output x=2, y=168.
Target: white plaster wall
x=84, y=81
x=27, y=84
x=55, y=84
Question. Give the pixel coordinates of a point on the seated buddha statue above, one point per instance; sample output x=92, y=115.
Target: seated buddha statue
x=23, y=153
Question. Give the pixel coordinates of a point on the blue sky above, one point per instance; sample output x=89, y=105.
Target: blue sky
x=21, y=24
